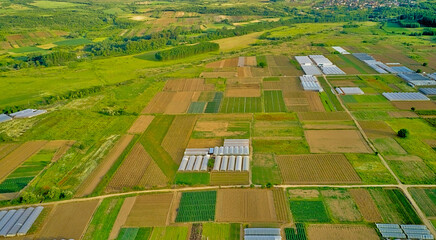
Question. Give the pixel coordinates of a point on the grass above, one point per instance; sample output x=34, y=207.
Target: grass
x=403, y=206
x=169, y=233
x=280, y=146
x=73, y=42
x=371, y=115
x=388, y=146
x=241, y=105
x=356, y=63
x=220, y=231
x=309, y=211
x=426, y=199
x=235, y=43
x=197, y=206
x=277, y=129
x=271, y=79
x=332, y=97
x=26, y=50
x=265, y=170
x=274, y=101
x=53, y=5
x=152, y=139
x=328, y=105
x=127, y=233
x=413, y=172
x=104, y=218
x=192, y=178
x=370, y=169
x=197, y=107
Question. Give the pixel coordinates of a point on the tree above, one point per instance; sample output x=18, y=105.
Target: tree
x=412, y=108
x=419, y=70
x=403, y=133
x=262, y=64
x=425, y=64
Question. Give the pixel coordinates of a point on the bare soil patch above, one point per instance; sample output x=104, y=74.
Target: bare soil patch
x=315, y=103
x=179, y=103
x=341, y=232
x=342, y=83
x=159, y=103
x=150, y=210
x=141, y=124
x=246, y=80
x=243, y=90
x=272, y=85
x=122, y=216
x=204, y=143
x=219, y=74
x=134, y=166
x=69, y=220
x=97, y=175
x=217, y=64
x=329, y=141
x=245, y=205
x=303, y=193
x=250, y=61
x=324, y=116
x=188, y=85
x=7, y=148
x=418, y=105
x=341, y=205
x=403, y=114
x=366, y=205
x=244, y=72
x=316, y=169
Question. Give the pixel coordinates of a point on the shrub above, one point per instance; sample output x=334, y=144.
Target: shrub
x=403, y=133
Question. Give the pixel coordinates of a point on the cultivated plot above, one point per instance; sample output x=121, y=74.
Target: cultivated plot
x=331, y=141
x=316, y=169
x=245, y=205
x=341, y=232
x=150, y=210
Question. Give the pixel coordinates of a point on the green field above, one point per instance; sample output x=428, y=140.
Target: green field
x=426, y=199
x=197, y=107
x=297, y=233
x=241, y=105
x=274, y=101
x=309, y=211
x=197, y=206
x=219, y=231
x=134, y=233
x=192, y=178
x=214, y=105
x=370, y=168
x=280, y=146
x=169, y=233
x=265, y=170
x=104, y=218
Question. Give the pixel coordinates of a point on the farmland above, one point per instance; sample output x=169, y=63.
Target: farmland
x=103, y=159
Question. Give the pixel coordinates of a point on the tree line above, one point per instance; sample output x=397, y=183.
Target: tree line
x=186, y=51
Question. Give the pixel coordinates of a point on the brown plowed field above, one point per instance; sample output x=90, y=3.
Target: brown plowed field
x=424, y=105
x=95, y=177
x=315, y=103
x=159, y=103
x=260, y=72
x=188, y=85
x=250, y=61
x=229, y=178
x=245, y=205
x=134, y=166
x=217, y=64
x=244, y=72
x=153, y=177
x=342, y=83
x=281, y=205
x=219, y=74
x=18, y=156
x=403, y=114
x=247, y=80
x=5, y=149
x=324, y=116
x=316, y=169
x=178, y=136
x=232, y=62
x=341, y=232
x=141, y=124
x=68, y=221
x=243, y=90
x=204, y=143
x=366, y=205
x=122, y=216
x=150, y=210
x=336, y=141
x=179, y=103
x=376, y=129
